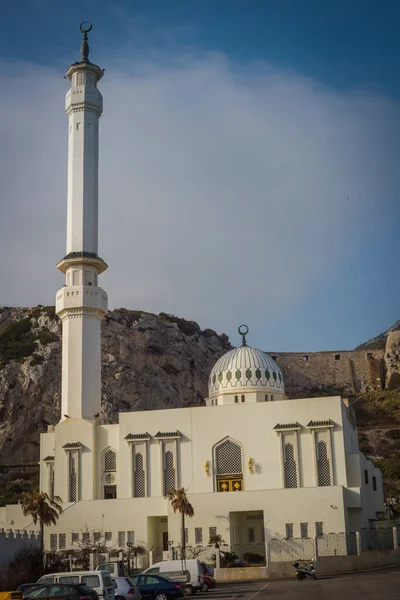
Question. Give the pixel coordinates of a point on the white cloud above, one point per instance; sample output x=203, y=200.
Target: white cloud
x=224, y=193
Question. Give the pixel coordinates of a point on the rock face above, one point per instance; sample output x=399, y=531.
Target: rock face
x=148, y=362
x=392, y=360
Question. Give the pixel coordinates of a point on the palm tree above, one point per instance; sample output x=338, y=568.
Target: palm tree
x=41, y=508
x=181, y=504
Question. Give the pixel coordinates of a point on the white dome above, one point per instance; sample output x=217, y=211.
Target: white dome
x=245, y=367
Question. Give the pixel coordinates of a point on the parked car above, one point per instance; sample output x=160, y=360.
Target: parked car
x=155, y=587
x=192, y=566
x=123, y=589
x=66, y=591
x=99, y=581
x=208, y=576
x=25, y=587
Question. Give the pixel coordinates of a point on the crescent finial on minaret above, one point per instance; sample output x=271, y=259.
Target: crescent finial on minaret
x=84, y=28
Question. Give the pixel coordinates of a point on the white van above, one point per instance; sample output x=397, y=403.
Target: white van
x=193, y=566
x=100, y=581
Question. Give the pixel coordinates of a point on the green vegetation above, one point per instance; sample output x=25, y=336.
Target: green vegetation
x=19, y=340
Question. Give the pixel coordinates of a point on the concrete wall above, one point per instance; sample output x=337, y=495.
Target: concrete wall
x=326, y=564
x=305, y=373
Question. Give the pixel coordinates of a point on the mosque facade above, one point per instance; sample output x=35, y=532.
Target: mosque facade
x=256, y=465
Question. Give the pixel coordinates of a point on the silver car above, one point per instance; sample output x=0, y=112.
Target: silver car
x=123, y=589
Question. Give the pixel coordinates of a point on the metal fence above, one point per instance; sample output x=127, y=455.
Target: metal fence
x=291, y=549
x=376, y=539
x=337, y=544
x=331, y=544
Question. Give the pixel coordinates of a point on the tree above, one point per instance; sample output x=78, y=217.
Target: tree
x=42, y=509
x=89, y=543
x=181, y=504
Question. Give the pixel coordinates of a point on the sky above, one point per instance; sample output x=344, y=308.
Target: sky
x=248, y=161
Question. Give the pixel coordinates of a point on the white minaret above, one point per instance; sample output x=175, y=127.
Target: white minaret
x=81, y=304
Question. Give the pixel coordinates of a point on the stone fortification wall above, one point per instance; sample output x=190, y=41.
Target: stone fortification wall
x=11, y=542
x=338, y=372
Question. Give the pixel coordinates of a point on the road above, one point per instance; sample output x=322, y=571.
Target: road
x=380, y=585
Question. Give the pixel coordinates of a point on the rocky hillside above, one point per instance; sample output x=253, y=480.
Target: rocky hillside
x=148, y=361
x=379, y=342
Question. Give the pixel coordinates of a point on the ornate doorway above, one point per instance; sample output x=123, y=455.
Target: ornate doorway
x=229, y=469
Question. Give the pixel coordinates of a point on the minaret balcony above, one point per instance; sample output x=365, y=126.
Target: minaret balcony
x=81, y=296
x=83, y=98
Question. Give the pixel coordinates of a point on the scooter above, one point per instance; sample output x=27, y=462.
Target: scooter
x=305, y=572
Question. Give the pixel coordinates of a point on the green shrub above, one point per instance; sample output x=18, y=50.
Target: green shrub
x=17, y=341
x=36, y=360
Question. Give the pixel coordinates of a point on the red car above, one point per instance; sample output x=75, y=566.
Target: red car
x=208, y=576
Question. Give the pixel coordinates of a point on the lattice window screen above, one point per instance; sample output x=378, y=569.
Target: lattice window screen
x=75, y=277
x=51, y=481
x=139, y=483
x=73, y=479
x=169, y=472
x=290, y=469
x=110, y=461
x=323, y=464
x=229, y=458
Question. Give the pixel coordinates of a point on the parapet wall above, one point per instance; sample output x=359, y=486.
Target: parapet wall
x=339, y=372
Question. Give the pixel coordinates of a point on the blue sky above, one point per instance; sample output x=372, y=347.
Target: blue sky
x=307, y=266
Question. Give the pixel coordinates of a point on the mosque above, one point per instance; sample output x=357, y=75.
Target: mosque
x=256, y=465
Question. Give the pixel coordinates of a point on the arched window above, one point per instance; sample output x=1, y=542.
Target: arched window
x=139, y=485
x=169, y=472
x=323, y=464
x=229, y=470
x=243, y=399
x=290, y=470
x=236, y=399
x=110, y=461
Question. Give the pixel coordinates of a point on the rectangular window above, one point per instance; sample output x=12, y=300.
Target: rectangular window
x=86, y=536
x=289, y=531
x=53, y=541
x=251, y=535
x=319, y=529
x=337, y=356
x=75, y=277
x=236, y=399
x=212, y=532
x=305, y=358
x=186, y=535
x=266, y=398
x=374, y=484
x=108, y=536
x=62, y=542
x=304, y=530
x=96, y=536
x=198, y=535
x=131, y=537
x=110, y=492
x=121, y=538
x=272, y=397
x=243, y=398
x=365, y=475
x=75, y=538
